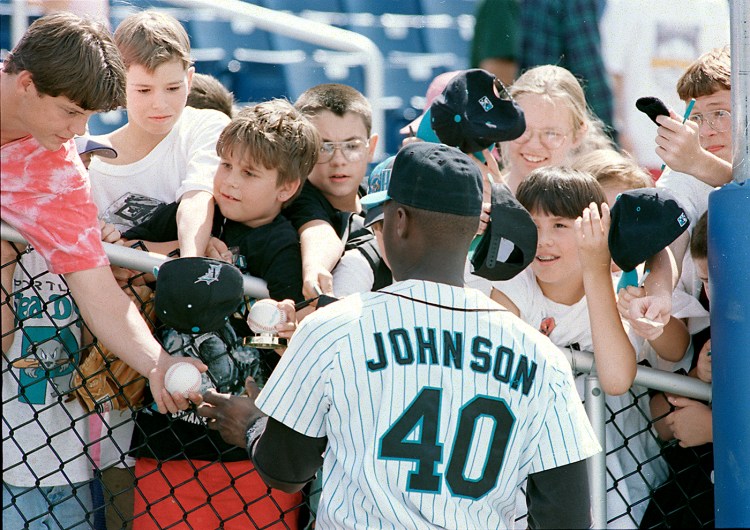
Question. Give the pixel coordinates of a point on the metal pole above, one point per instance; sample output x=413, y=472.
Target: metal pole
x=20, y=21
x=740, y=49
x=597, y=465
x=142, y=261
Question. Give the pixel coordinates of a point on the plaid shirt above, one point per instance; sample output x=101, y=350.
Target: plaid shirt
x=566, y=33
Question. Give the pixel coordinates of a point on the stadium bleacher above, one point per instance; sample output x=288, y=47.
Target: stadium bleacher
x=419, y=39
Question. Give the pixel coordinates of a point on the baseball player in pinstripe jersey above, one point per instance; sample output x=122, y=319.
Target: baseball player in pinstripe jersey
x=428, y=402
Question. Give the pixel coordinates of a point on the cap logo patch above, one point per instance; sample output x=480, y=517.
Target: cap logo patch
x=378, y=182
x=486, y=104
x=682, y=219
x=211, y=275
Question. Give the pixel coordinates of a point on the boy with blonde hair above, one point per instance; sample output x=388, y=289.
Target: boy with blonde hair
x=207, y=92
x=614, y=171
x=266, y=153
x=166, y=151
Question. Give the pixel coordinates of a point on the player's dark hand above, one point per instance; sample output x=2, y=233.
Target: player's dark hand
x=231, y=415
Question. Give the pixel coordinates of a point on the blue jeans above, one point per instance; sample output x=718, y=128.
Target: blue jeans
x=45, y=508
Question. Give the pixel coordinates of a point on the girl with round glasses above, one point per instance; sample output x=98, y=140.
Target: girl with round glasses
x=559, y=124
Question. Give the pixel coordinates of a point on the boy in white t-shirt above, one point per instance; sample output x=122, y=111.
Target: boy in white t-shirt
x=167, y=151
x=567, y=293
x=166, y=154
x=698, y=154
x=572, y=261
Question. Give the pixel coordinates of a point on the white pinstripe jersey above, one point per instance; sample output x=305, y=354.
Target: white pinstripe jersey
x=433, y=415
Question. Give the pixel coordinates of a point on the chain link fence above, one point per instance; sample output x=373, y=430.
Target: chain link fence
x=73, y=463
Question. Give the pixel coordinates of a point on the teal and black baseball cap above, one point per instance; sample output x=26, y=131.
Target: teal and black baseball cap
x=474, y=112
x=434, y=177
x=377, y=188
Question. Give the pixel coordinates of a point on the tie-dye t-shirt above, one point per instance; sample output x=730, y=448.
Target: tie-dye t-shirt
x=46, y=196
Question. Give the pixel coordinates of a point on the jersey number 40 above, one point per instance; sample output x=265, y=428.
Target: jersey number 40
x=422, y=416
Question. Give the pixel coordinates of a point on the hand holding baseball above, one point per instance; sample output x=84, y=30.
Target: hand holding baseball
x=165, y=400
x=265, y=316
x=182, y=378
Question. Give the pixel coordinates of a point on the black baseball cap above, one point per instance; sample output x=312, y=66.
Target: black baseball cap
x=508, y=244
x=84, y=144
x=433, y=177
x=197, y=295
x=644, y=221
x=470, y=116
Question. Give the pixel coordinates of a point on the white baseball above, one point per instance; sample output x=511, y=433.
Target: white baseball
x=183, y=378
x=264, y=316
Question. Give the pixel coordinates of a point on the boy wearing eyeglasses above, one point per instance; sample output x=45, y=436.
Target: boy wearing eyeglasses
x=322, y=212
x=698, y=154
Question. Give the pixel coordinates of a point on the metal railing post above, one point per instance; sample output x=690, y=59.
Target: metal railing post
x=597, y=466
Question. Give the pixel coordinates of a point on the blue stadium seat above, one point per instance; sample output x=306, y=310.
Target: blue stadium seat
x=453, y=8
x=5, y=38
x=325, y=11
x=397, y=36
x=297, y=6
x=405, y=96
x=449, y=27
x=448, y=41
x=379, y=7
x=323, y=67
x=142, y=4
x=239, y=55
x=283, y=42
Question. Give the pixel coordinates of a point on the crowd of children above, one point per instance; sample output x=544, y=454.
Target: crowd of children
x=275, y=188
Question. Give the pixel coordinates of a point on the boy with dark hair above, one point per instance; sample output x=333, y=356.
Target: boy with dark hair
x=45, y=195
x=166, y=151
x=568, y=294
x=266, y=153
x=207, y=92
x=322, y=213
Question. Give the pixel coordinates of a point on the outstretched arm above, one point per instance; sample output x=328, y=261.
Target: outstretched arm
x=613, y=353
x=321, y=250
x=116, y=321
x=285, y=459
x=194, y=218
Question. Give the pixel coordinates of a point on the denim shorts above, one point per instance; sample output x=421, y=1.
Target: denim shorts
x=43, y=508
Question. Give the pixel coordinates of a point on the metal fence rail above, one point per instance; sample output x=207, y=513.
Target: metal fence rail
x=107, y=469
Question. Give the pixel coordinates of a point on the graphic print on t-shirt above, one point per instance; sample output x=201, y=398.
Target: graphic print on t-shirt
x=49, y=358
x=130, y=210
x=547, y=326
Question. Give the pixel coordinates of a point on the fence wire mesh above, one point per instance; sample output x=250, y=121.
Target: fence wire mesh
x=70, y=461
